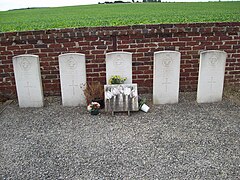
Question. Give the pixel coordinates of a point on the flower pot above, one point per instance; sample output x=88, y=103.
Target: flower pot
x=145, y=108
x=95, y=112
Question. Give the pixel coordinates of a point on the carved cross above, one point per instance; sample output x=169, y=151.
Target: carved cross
x=28, y=88
x=166, y=84
x=73, y=85
x=212, y=82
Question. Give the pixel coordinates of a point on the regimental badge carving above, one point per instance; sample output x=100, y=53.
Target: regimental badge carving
x=72, y=64
x=213, y=61
x=25, y=64
x=167, y=61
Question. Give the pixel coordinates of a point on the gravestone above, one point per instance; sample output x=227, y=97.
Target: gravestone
x=211, y=76
x=119, y=63
x=166, y=77
x=28, y=80
x=72, y=68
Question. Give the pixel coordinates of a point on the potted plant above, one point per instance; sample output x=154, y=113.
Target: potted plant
x=142, y=104
x=117, y=80
x=94, y=92
x=93, y=108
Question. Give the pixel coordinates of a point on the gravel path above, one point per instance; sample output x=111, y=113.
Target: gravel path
x=182, y=141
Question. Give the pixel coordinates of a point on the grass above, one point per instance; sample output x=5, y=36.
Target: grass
x=118, y=14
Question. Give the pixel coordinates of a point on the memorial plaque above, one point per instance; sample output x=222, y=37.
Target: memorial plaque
x=73, y=78
x=211, y=76
x=121, y=97
x=119, y=63
x=28, y=80
x=166, y=77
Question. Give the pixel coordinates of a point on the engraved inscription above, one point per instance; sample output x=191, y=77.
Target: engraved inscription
x=166, y=72
x=119, y=61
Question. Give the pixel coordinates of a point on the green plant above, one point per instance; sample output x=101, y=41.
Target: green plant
x=118, y=15
x=117, y=80
x=141, y=101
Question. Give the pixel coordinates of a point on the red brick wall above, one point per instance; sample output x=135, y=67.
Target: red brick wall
x=141, y=40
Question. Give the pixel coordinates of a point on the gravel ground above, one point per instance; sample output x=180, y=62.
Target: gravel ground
x=181, y=141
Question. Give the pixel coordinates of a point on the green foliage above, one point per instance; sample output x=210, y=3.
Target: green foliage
x=118, y=14
x=117, y=80
x=141, y=101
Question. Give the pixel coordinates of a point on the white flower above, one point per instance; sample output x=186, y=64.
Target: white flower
x=108, y=95
x=115, y=91
x=133, y=94
x=89, y=107
x=127, y=91
x=120, y=89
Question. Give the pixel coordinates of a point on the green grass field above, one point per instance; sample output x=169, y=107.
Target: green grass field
x=118, y=14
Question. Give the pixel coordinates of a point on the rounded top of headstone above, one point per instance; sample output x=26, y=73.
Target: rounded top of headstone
x=71, y=54
x=213, y=51
x=162, y=52
x=119, y=52
x=26, y=56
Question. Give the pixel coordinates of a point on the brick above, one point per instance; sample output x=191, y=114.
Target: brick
x=143, y=68
x=171, y=39
x=62, y=40
x=143, y=50
x=179, y=43
x=193, y=34
x=202, y=38
x=9, y=48
x=96, y=43
x=212, y=48
x=60, y=49
x=40, y=46
x=54, y=46
x=18, y=52
x=68, y=44
x=32, y=51
x=91, y=38
x=225, y=37
x=97, y=52
x=73, y=49
x=231, y=42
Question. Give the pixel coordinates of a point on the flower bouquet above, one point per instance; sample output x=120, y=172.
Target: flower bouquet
x=93, y=108
x=117, y=80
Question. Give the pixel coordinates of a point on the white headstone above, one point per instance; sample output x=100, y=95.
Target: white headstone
x=211, y=76
x=28, y=80
x=119, y=63
x=72, y=68
x=166, y=77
